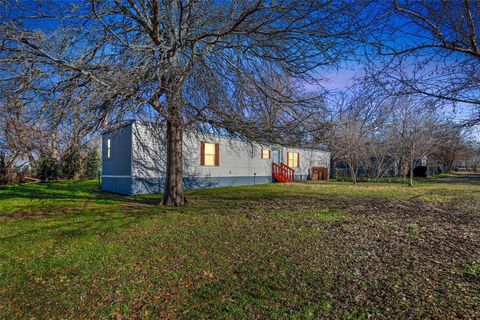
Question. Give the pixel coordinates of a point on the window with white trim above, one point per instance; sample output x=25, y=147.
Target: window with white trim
x=109, y=149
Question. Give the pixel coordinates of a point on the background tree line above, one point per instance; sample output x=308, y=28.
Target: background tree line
x=37, y=145
x=377, y=135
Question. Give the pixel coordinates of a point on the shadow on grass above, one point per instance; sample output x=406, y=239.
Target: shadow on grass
x=69, y=191
x=469, y=179
x=73, y=224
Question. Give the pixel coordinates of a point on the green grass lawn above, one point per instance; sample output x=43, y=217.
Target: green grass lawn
x=295, y=251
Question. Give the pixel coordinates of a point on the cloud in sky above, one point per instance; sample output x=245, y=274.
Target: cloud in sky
x=340, y=79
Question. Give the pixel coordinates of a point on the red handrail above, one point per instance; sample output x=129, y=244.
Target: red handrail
x=290, y=173
x=276, y=169
x=282, y=172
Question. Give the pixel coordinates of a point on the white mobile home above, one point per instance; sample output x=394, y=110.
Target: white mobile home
x=133, y=161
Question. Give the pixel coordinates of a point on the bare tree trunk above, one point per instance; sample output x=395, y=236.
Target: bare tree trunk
x=173, y=193
x=53, y=144
x=54, y=135
x=410, y=182
x=450, y=165
x=353, y=173
x=400, y=167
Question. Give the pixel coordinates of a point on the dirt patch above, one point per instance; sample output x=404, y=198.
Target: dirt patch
x=132, y=207
x=387, y=258
x=38, y=213
x=291, y=205
x=407, y=255
x=417, y=211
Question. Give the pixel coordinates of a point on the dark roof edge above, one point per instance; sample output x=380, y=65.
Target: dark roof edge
x=118, y=125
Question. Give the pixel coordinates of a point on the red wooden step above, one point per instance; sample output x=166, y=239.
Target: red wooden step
x=282, y=173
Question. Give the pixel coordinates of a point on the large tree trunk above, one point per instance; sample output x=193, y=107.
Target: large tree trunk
x=173, y=193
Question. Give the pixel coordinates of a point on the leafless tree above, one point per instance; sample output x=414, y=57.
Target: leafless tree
x=20, y=138
x=451, y=146
x=357, y=135
x=372, y=133
x=414, y=128
x=347, y=137
x=429, y=48
x=349, y=144
x=471, y=156
x=195, y=63
x=38, y=118
x=382, y=154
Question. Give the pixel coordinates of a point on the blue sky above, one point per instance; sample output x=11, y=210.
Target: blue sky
x=342, y=78
x=335, y=80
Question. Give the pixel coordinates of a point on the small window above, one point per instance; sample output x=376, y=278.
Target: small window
x=209, y=154
x=108, y=148
x=293, y=159
x=266, y=153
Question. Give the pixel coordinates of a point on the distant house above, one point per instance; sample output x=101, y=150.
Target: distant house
x=133, y=161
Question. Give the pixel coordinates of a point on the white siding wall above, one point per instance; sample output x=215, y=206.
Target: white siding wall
x=308, y=158
x=237, y=158
x=149, y=151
